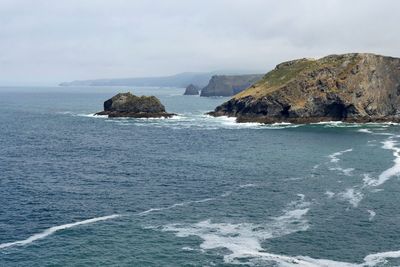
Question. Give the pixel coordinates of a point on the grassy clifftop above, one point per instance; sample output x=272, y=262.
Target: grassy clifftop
x=350, y=87
x=289, y=71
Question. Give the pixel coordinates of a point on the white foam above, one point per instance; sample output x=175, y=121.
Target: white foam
x=375, y=133
x=388, y=144
x=371, y=215
x=335, y=156
x=231, y=123
x=345, y=171
x=328, y=122
x=54, y=229
x=368, y=180
x=365, y=131
x=226, y=194
x=352, y=195
x=316, y=166
x=188, y=249
x=180, y=204
x=243, y=240
x=329, y=194
x=334, y=159
x=246, y=185
x=92, y=115
x=377, y=258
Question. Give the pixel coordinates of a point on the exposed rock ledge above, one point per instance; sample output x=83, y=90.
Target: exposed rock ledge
x=350, y=87
x=129, y=105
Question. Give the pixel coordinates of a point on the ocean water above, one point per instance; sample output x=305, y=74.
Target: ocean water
x=80, y=190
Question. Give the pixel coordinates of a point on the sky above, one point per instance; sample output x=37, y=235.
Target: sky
x=51, y=41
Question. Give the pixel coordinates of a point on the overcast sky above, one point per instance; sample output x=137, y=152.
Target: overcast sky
x=49, y=41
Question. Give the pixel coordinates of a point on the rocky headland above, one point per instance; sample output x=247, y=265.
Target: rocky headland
x=351, y=88
x=129, y=105
x=229, y=85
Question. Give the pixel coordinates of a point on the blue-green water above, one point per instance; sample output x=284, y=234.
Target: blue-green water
x=78, y=190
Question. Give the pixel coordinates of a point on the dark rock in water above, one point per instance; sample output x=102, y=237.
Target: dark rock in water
x=129, y=105
x=350, y=87
x=192, y=89
x=229, y=85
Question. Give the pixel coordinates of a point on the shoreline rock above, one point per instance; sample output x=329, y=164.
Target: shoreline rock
x=129, y=105
x=355, y=87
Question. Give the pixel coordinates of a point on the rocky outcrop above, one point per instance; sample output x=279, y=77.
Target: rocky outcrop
x=192, y=89
x=129, y=105
x=350, y=87
x=228, y=85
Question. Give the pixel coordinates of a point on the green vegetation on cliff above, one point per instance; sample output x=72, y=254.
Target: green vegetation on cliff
x=350, y=87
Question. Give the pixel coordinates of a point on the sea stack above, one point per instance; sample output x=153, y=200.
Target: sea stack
x=129, y=105
x=192, y=89
x=354, y=87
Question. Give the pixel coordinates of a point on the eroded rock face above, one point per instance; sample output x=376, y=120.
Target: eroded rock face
x=229, y=85
x=192, y=90
x=129, y=105
x=350, y=87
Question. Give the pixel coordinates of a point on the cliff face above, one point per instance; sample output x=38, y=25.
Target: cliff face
x=192, y=90
x=350, y=87
x=129, y=105
x=228, y=85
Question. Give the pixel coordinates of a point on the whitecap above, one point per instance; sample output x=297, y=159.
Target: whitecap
x=54, y=229
x=335, y=156
x=246, y=185
x=365, y=131
x=353, y=196
x=345, y=171
x=329, y=194
x=316, y=166
x=334, y=159
x=226, y=194
x=371, y=214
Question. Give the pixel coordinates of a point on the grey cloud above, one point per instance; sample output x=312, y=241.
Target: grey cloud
x=52, y=41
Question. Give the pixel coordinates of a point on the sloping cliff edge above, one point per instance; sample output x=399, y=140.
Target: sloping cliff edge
x=229, y=85
x=355, y=87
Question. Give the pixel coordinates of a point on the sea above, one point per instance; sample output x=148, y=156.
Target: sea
x=83, y=190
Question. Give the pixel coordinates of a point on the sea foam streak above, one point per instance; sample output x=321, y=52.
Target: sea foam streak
x=335, y=156
x=54, y=229
x=334, y=159
x=388, y=144
x=243, y=240
x=187, y=203
x=181, y=204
